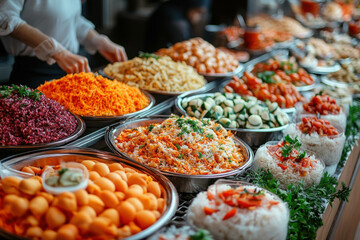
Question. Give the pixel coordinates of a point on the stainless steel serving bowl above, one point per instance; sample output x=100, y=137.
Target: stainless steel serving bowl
x=183, y=182
x=100, y=121
x=253, y=137
x=322, y=70
x=12, y=165
x=22, y=148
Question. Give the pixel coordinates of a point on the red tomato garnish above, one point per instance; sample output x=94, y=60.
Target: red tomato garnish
x=209, y=211
x=229, y=214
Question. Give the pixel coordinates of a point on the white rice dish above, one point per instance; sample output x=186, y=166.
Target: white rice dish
x=260, y=223
x=290, y=175
x=326, y=148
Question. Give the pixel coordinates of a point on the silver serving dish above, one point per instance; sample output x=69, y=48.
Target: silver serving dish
x=334, y=83
x=216, y=76
x=306, y=88
x=183, y=182
x=289, y=111
x=253, y=137
x=99, y=121
x=22, y=148
x=12, y=165
x=322, y=70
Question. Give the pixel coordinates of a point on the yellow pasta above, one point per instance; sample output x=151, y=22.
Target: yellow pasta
x=160, y=73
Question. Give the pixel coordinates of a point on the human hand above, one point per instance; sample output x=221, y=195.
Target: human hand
x=71, y=63
x=111, y=51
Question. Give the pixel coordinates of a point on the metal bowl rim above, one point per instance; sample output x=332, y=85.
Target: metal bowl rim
x=109, y=138
x=237, y=70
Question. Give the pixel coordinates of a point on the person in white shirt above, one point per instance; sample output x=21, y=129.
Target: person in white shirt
x=40, y=33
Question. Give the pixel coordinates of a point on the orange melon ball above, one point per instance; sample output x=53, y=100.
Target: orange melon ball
x=94, y=175
x=82, y=197
x=115, y=166
x=136, y=203
x=89, y=211
x=145, y=218
x=34, y=232
x=48, y=235
x=154, y=188
x=10, y=185
x=38, y=206
x=109, y=198
x=66, y=201
x=89, y=164
x=30, y=186
x=105, y=184
x=82, y=221
x=54, y=218
x=96, y=203
x=67, y=232
x=101, y=168
x=103, y=226
x=111, y=214
x=16, y=206
x=134, y=191
x=134, y=228
x=126, y=211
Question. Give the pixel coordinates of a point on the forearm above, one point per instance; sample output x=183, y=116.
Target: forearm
x=29, y=35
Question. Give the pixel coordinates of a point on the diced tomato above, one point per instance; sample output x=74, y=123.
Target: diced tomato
x=210, y=196
x=209, y=211
x=246, y=203
x=283, y=167
x=229, y=214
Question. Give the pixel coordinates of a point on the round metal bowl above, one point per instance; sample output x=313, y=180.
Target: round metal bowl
x=306, y=88
x=12, y=165
x=215, y=76
x=322, y=70
x=183, y=182
x=289, y=111
x=100, y=121
x=22, y=148
x=333, y=82
x=253, y=137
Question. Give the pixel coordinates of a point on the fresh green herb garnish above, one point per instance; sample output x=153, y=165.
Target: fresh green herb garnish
x=177, y=146
x=150, y=127
x=62, y=171
x=301, y=155
x=218, y=128
x=289, y=145
x=181, y=156
x=210, y=136
x=148, y=55
x=266, y=76
x=319, y=93
x=202, y=234
x=141, y=146
x=21, y=91
x=200, y=155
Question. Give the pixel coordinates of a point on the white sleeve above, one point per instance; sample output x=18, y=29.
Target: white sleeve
x=10, y=15
x=83, y=26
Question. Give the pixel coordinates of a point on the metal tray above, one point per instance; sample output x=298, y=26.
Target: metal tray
x=183, y=182
x=322, y=70
x=22, y=148
x=98, y=121
x=253, y=137
x=13, y=164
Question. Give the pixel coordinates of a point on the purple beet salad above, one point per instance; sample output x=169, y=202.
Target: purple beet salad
x=28, y=117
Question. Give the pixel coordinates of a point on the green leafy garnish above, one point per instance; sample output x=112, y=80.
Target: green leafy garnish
x=21, y=91
x=210, y=136
x=62, y=171
x=148, y=55
x=181, y=156
x=289, y=145
x=200, y=155
x=202, y=234
x=177, y=146
x=150, y=127
x=266, y=76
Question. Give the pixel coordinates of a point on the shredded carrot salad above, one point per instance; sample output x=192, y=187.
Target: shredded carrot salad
x=182, y=145
x=90, y=94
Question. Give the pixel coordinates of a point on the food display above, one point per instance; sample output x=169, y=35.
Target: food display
x=184, y=232
x=89, y=94
x=320, y=137
x=233, y=111
x=118, y=202
x=324, y=106
x=285, y=24
x=154, y=73
x=239, y=212
x=348, y=74
x=342, y=95
x=241, y=56
x=333, y=37
x=284, y=94
x=27, y=117
x=182, y=145
x=288, y=71
x=345, y=51
x=288, y=163
x=201, y=55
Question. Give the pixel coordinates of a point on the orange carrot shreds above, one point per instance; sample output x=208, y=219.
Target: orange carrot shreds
x=89, y=94
x=183, y=145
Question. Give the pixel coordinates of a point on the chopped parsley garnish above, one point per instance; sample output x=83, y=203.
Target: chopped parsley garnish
x=266, y=76
x=201, y=235
x=200, y=155
x=148, y=55
x=21, y=91
x=150, y=127
x=218, y=128
x=62, y=171
x=141, y=146
x=181, y=156
x=210, y=136
x=177, y=146
x=289, y=145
